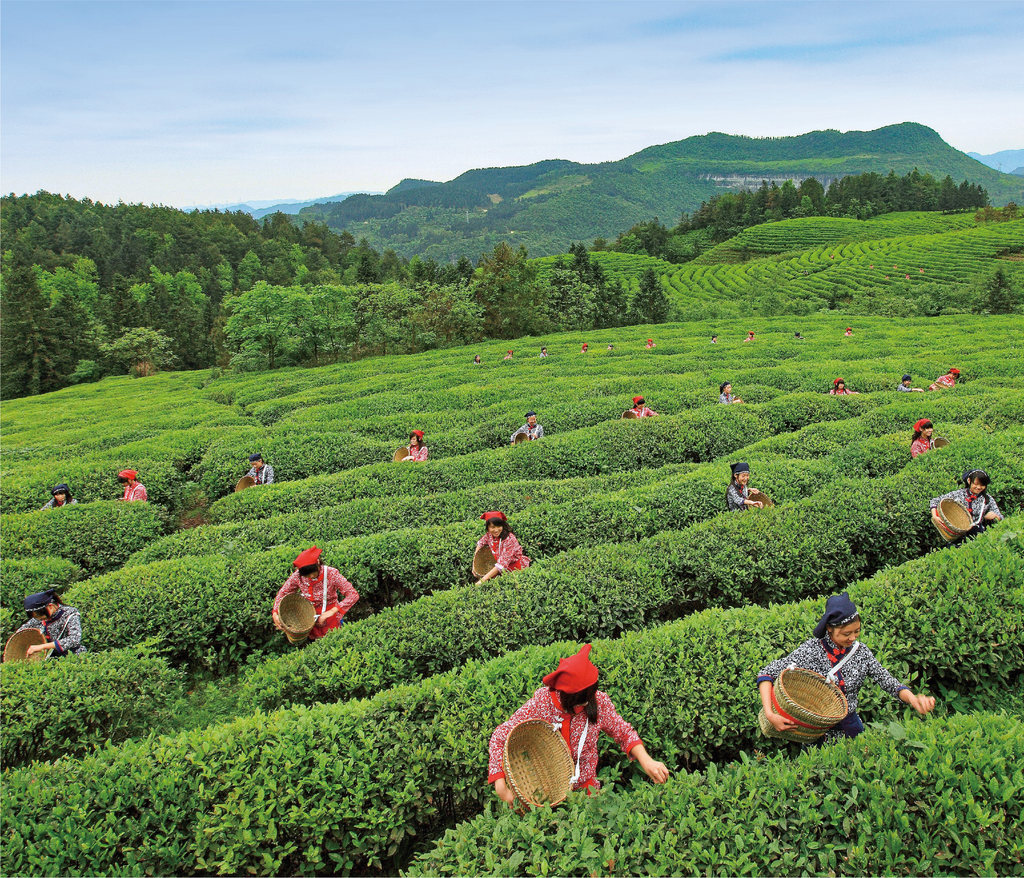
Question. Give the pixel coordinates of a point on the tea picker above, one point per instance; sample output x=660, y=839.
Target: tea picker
x=639, y=410
x=134, y=490
x=946, y=381
x=739, y=496
x=502, y=544
x=418, y=452
x=321, y=586
x=261, y=473
x=923, y=440
x=570, y=704
x=53, y=628
x=967, y=511
x=837, y=656
x=60, y=495
x=530, y=431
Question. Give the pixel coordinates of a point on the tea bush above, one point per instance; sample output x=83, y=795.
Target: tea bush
x=20, y=577
x=65, y=706
x=356, y=786
x=816, y=546
x=94, y=536
x=936, y=798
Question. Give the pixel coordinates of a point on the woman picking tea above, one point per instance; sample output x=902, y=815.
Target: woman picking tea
x=571, y=702
x=508, y=554
x=974, y=497
x=320, y=586
x=417, y=450
x=922, y=438
x=737, y=495
x=836, y=653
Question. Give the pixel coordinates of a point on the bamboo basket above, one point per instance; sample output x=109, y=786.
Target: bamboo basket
x=401, y=454
x=483, y=561
x=954, y=521
x=521, y=438
x=762, y=498
x=537, y=763
x=810, y=700
x=17, y=647
x=629, y=415
x=298, y=616
x=244, y=482
x=939, y=442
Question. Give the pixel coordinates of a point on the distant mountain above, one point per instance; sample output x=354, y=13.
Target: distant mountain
x=1001, y=161
x=260, y=209
x=1018, y=172
x=548, y=205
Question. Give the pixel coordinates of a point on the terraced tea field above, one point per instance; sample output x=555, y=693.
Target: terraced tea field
x=366, y=751
x=810, y=263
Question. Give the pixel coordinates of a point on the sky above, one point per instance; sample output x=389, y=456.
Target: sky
x=184, y=103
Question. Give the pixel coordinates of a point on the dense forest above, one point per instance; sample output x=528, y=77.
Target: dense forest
x=90, y=289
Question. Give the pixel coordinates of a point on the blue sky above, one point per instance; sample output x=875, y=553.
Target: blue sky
x=191, y=103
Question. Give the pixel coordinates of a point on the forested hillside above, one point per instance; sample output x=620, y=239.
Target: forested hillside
x=548, y=205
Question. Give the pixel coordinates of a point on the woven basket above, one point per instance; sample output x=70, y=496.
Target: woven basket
x=521, y=437
x=483, y=561
x=939, y=442
x=244, y=482
x=809, y=699
x=17, y=647
x=537, y=763
x=954, y=521
x=629, y=415
x=401, y=454
x=761, y=498
x=298, y=616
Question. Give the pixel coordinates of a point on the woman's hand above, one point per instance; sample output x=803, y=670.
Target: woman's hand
x=504, y=793
x=39, y=647
x=329, y=614
x=779, y=722
x=923, y=704
x=490, y=574
x=277, y=621
x=993, y=516
x=656, y=771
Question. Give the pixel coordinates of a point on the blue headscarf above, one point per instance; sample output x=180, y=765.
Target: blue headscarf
x=839, y=611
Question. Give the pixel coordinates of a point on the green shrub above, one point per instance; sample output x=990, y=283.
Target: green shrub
x=356, y=786
x=813, y=547
x=24, y=576
x=65, y=706
x=95, y=536
x=943, y=797
x=619, y=446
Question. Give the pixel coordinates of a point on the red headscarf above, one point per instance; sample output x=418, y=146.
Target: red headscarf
x=574, y=674
x=128, y=474
x=638, y=400
x=837, y=382
x=495, y=514
x=417, y=433
x=954, y=371
x=920, y=425
x=305, y=559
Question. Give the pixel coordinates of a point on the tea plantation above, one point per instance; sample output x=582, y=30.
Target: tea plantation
x=192, y=739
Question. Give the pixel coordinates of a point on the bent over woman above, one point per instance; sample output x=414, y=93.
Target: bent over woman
x=836, y=653
x=571, y=703
x=60, y=624
x=320, y=585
